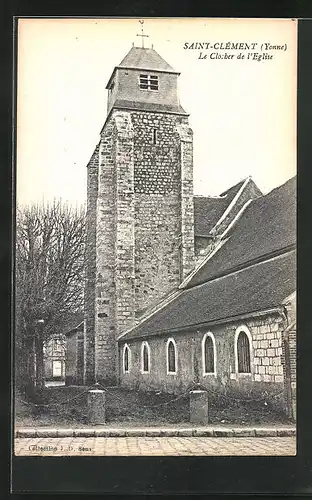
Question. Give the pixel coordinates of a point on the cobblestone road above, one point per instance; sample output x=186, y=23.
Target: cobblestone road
x=157, y=446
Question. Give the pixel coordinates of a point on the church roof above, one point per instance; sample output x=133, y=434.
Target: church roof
x=145, y=58
x=208, y=210
x=257, y=288
x=254, y=270
x=266, y=226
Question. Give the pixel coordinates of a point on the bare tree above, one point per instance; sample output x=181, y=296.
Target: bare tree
x=49, y=280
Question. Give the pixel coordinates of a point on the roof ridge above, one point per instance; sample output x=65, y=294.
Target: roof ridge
x=146, y=51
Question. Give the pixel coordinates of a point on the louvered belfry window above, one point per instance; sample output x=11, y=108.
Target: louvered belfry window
x=209, y=355
x=243, y=353
x=171, y=358
x=148, y=82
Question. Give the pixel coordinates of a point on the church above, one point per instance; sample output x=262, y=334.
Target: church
x=180, y=289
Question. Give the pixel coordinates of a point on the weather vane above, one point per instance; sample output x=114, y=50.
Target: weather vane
x=142, y=32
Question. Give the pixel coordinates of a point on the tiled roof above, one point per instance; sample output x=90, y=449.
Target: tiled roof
x=232, y=191
x=208, y=210
x=267, y=225
x=257, y=288
x=145, y=58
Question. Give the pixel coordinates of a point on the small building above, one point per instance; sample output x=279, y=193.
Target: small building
x=54, y=357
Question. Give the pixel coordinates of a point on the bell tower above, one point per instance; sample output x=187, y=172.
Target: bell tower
x=140, y=219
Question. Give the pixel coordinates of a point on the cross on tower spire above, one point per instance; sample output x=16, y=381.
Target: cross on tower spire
x=142, y=32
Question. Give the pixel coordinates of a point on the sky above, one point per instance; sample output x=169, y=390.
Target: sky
x=243, y=112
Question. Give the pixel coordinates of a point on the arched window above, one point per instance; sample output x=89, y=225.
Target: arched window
x=145, y=357
x=209, y=354
x=126, y=359
x=171, y=356
x=243, y=350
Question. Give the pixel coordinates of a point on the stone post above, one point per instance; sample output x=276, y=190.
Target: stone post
x=96, y=406
x=199, y=407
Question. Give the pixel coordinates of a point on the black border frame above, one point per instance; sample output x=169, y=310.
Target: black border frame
x=174, y=475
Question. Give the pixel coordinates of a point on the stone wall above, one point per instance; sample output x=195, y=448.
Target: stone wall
x=157, y=252
x=290, y=353
x=143, y=220
x=90, y=267
x=105, y=307
x=164, y=214
x=265, y=380
x=293, y=356
x=187, y=203
x=267, y=345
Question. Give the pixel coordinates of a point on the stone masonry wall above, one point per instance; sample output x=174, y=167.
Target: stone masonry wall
x=187, y=203
x=291, y=307
x=157, y=165
x=290, y=351
x=267, y=346
x=90, y=267
x=293, y=357
x=265, y=380
x=163, y=185
x=125, y=213
x=157, y=252
x=144, y=225
x=114, y=310
x=105, y=322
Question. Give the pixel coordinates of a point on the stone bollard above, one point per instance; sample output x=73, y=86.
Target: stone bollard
x=199, y=407
x=96, y=406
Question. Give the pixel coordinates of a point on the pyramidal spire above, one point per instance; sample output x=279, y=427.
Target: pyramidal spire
x=145, y=58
